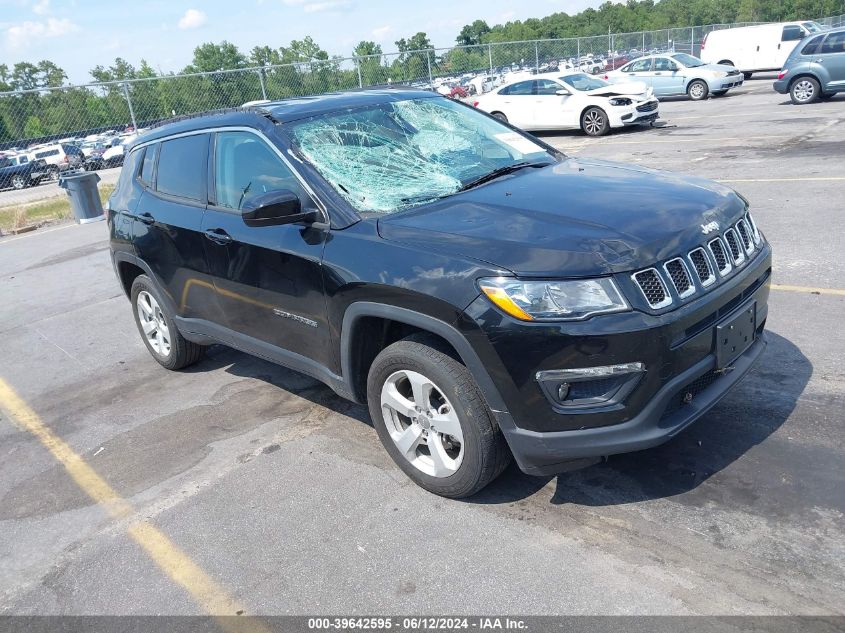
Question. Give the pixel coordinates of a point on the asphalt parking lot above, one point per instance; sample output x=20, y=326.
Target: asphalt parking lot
x=49, y=189
x=239, y=485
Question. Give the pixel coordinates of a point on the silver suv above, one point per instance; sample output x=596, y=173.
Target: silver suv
x=815, y=69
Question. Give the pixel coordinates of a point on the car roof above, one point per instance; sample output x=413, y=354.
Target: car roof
x=283, y=111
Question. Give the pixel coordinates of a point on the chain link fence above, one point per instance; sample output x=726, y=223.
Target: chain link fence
x=69, y=114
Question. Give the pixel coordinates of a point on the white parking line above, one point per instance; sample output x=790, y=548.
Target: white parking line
x=806, y=179
x=36, y=233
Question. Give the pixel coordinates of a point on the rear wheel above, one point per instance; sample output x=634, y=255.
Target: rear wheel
x=804, y=90
x=158, y=330
x=698, y=90
x=501, y=116
x=594, y=122
x=432, y=419
x=727, y=62
x=53, y=173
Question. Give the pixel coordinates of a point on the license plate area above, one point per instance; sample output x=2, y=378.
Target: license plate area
x=736, y=334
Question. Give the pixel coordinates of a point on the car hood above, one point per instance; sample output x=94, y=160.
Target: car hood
x=576, y=218
x=627, y=88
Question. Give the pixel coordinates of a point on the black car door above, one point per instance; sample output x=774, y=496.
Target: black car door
x=268, y=278
x=167, y=227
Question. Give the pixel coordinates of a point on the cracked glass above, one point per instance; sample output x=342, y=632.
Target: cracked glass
x=392, y=156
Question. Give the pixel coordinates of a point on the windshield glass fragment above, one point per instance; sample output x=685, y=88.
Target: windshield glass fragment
x=396, y=155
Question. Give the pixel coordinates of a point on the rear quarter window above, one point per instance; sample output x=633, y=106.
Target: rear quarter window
x=131, y=164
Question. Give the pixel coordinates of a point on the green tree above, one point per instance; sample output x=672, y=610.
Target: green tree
x=473, y=33
x=33, y=127
x=209, y=57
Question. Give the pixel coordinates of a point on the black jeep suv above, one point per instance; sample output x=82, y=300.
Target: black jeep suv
x=486, y=295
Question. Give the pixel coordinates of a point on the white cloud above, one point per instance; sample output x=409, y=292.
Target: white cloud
x=319, y=7
x=193, y=19
x=30, y=32
x=41, y=7
x=382, y=31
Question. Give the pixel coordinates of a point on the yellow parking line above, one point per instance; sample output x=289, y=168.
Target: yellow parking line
x=807, y=179
x=809, y=289
x=175, y=563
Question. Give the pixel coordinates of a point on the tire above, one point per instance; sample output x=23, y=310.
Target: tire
x=727, y=62
x=804, y=90
x=470, y=457
x=698, y=90
x=179, y=352
x=53, y=173
x=500, y=116
x=719, y=93
x=747, y=76
x=18, y=181
x=594, y=122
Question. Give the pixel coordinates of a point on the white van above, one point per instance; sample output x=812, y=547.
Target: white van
x=755, y=48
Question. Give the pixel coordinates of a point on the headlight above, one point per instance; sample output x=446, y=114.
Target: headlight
x=620, y=101
x=544, y=300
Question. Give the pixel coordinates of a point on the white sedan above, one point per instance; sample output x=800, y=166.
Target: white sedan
x=570, y=100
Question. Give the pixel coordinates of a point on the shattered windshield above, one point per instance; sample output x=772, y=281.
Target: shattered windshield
x=393, y=156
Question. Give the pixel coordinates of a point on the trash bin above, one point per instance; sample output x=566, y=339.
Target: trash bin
x=81, y=187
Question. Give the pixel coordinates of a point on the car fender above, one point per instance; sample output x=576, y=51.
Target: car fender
x=360, y=309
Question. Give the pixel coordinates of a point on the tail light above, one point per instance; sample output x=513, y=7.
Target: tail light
x=606, y=77
x=475, y=104
x=782, y=73
x=66, y=158
x=704, y=41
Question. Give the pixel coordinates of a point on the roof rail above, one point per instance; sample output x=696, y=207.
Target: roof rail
x=186, y=117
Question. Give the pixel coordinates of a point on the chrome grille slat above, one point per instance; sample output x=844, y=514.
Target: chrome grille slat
x=653, y=288
x=745, y=235
x=678, y=274
x=701, y=266
x=736, y=252
x=754, y=231
x=720, y=256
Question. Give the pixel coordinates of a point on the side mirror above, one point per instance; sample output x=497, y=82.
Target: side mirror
x=562, y=92
x=275, y=208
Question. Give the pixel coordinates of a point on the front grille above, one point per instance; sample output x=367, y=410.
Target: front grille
x=652, y=288
x=696, y=272
x=677, y=271
x=733, y=244
x=720, y=256
x=647, y=107
x=702, y=267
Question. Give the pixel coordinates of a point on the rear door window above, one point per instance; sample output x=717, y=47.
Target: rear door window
x=640, y=66
x=520, y=89
x=547, y=87
x=835, y=43
x=182, y=166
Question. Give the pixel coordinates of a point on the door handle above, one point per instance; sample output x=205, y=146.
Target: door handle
x=658, y=73
x=819, y=60
x=146, y=218
x=218, y=236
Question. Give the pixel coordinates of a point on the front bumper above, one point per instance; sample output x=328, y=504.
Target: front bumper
x=636, y=114
x=726, y=83
x=548, y=453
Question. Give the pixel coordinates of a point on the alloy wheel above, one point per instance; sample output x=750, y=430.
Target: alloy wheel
x=803, y=91
x=593, y=122
x=697, y=91
x=18, y=182
x=153, y=323
x=422, y=423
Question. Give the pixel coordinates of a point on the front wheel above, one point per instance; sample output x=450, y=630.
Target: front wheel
x=432, y=419
x=594, y=122
x=804, y=90
x=18, y=181
x=698, y=90
x=158, y=330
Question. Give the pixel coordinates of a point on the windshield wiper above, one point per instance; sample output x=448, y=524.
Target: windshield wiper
x=500, y=171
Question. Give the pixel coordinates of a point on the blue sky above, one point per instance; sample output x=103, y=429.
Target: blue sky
x=79, y=34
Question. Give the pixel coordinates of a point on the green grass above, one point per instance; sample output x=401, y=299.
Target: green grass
x=38, y=212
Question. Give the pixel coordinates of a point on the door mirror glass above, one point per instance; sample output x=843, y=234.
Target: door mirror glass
x=274, y=208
